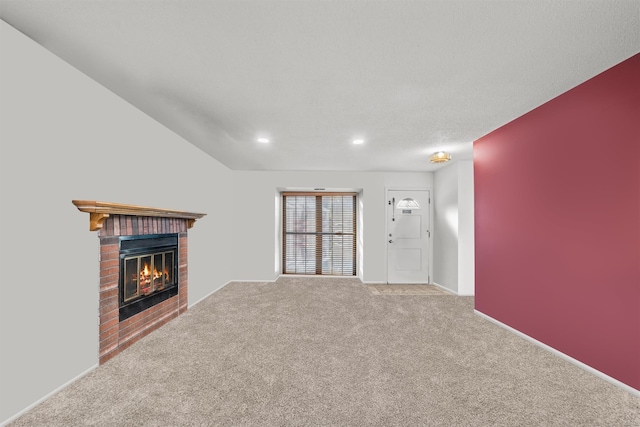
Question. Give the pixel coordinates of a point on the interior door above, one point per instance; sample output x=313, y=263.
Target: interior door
x=408, y=236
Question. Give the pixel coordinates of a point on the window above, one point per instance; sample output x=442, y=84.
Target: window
x=408, y=203
x=319, y=233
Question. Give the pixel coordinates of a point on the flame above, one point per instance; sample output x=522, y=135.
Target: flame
x=156, y=281
x=145, y=275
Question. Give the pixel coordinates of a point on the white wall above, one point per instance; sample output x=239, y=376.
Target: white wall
x=466, y=230
x=259, y=223
x=65, y=137
x=454, y=227
x=445, y=233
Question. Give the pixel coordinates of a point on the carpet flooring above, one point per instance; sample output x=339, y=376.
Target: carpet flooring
x=403, y=289
x=328, y=352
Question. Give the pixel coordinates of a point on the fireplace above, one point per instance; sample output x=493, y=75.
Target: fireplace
x=148, y=272
x=143, y=270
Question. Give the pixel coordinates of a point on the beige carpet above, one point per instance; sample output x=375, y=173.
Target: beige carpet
x=327, y=352
x=404, y=289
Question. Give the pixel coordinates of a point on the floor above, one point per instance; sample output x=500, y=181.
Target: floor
x=407, y=289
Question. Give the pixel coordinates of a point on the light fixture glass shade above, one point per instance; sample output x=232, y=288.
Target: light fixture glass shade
x=440, y=157
x=408, y=203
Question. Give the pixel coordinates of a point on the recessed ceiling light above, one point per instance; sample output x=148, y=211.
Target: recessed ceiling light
x=358, y=141
x=263, y=140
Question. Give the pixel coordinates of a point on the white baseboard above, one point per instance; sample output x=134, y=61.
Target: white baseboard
x=48, y=395
x=217, y=289
x=209, y=294
x=323, y=276
x=560, y=354
x=446, y=289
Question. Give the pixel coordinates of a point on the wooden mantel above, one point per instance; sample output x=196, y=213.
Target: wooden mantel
x=99, y=211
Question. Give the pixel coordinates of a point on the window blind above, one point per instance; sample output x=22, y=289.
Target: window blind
x=319, y=233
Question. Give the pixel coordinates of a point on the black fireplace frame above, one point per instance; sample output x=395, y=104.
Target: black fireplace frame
x=142, y=245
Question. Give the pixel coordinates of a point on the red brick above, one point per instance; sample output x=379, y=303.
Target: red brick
x=107, y=311
x=109, y=282
x=107, y=227
x=109, y=293
x=108, y=356
x=109, y=252
x=131, y=320
x=109, y=342
x=109, y=335
x=106, y=324
x=115, y=262
x=116, y=225
x=126, y=344
x=109, y=271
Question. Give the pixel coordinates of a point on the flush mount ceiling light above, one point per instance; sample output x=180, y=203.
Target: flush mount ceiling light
x=440, y=157
x=358, y=141
x=263, y=140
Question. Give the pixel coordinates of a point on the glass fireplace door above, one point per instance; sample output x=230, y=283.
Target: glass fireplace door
x=147, y=273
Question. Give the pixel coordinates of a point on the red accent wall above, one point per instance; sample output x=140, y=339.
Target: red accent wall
x=557, y=232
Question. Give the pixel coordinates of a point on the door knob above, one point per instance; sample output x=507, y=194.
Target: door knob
x=390, y=241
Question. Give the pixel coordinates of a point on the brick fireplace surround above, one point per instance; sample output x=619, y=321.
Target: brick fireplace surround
x=112, y=220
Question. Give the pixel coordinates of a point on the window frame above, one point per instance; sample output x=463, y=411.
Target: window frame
x=318, y=232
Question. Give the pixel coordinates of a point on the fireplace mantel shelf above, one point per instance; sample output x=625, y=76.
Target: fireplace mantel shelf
x=99, y=211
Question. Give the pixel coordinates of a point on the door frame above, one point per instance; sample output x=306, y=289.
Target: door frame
x=386, y=228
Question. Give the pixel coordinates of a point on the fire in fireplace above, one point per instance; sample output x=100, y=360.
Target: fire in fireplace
x=148, y=271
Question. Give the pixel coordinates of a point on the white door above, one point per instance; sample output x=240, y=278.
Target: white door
x=408, y=236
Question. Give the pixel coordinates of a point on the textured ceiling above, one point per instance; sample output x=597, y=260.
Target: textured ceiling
x=408, y=77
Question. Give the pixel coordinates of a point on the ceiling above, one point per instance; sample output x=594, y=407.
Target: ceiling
x=407, y=77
